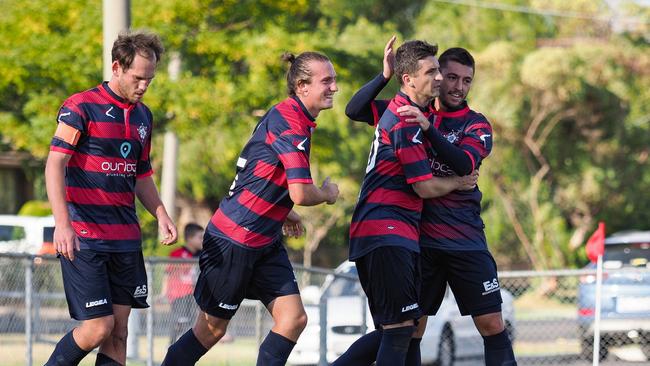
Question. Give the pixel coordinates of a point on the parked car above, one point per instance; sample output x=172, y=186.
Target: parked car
x=625, y=295
x=448, y=336
x=26, y=234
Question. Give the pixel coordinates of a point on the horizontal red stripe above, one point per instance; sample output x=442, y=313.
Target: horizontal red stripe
x=106, y=130
x=395, y=198
x=446, y=231
x=301, y=180
x=383, y=227
x=101, y=164
x=270, y=138
x=261, y=207
x=87, y=196
x=62, y=150
x=412, y=154
x=238, y=233
x=390, y=168
x=107, y=231
x=419, y=178
x=271, y=173
x=294, y=160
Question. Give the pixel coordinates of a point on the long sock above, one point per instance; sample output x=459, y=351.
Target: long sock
x=103, y=360
x=394, y=346
x=66, y=352
x=362, y=352
x=498, y=350
x=413, y=356
x=275, y=350
x=185, y=351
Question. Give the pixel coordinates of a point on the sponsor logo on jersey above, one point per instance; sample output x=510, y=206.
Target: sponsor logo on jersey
x=125, y=149
x=91, y=304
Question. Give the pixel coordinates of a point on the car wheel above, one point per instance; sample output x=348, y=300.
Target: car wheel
x=446, y=348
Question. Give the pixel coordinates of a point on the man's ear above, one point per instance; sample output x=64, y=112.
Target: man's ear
x=115, y=66
x=406, y=80
x=301, y=88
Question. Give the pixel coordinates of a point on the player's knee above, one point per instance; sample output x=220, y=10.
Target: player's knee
x=295, y=323
x=216, y=328
x=489, y=324
x=301, y=321
x=98, y=330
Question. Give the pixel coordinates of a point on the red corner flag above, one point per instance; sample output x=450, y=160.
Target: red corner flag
x=596, y=243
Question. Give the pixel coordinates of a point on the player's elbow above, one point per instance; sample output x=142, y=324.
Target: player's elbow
x=425, y=189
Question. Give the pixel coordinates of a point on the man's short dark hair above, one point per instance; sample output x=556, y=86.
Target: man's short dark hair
x=143, y=43
x=457, y=54
x=191, y=229
x=408, y=55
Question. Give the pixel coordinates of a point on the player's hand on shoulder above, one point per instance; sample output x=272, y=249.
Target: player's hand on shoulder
x=411, y=114
x=331, y=190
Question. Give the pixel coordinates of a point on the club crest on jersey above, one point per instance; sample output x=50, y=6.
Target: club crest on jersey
x=453, y=136
x=125, y=149
x=142, y=131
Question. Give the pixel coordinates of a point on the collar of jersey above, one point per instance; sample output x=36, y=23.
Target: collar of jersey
x=115, y=99
x=312, y=120
x=464, y=109
x=403, y=99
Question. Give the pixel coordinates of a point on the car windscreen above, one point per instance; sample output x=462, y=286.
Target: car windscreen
x=344, y=286
x=633, y=254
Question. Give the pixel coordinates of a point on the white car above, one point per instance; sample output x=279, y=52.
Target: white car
x=26, y=234
x=448, y=336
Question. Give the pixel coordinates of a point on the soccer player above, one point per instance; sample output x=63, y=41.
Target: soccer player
x=98, y=163
x=384, y=229
x=179, y=284
x=243, y=255
x=453, y=246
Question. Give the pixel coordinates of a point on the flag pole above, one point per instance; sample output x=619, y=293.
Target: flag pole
x=599, y=281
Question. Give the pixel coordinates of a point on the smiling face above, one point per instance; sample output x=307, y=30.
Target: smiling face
x=132, y=83
x=318, y=94
x=456, y=83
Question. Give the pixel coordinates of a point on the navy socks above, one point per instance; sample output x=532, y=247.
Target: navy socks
x=66, y=352
x=185, y=351
x=362, y=352
x=103, y=360
x=394, y=346
x=275, y=350
x=498, y=350
x=413, y=356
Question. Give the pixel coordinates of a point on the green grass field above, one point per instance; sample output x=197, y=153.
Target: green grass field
x=241, y=352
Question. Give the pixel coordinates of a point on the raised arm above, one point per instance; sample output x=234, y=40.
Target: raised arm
x=363, y=107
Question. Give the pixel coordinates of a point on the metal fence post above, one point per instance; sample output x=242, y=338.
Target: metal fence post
x=364, y=315
x=322, y=319
x=29, y=271
x=150, y=313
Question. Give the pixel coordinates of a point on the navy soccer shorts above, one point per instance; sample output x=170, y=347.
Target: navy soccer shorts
x=231, y=272
x=390, y=277
x=94, y=281
x=471, y=275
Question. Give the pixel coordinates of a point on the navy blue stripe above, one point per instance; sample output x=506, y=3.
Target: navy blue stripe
x=103, y=214
x=77, y=177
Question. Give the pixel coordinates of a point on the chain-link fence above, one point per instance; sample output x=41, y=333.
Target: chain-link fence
x=549, y=314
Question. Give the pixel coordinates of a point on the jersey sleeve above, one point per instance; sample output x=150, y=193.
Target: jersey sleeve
x=363, y=107
x=144, y=168
x=292, y=148
x=71, y=124
x=477, y=142
x=408, y=143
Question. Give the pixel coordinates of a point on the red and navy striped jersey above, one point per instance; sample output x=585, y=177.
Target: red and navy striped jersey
x=453, y=221
x=388, y=210
x=277, y=154
x=111, y=153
